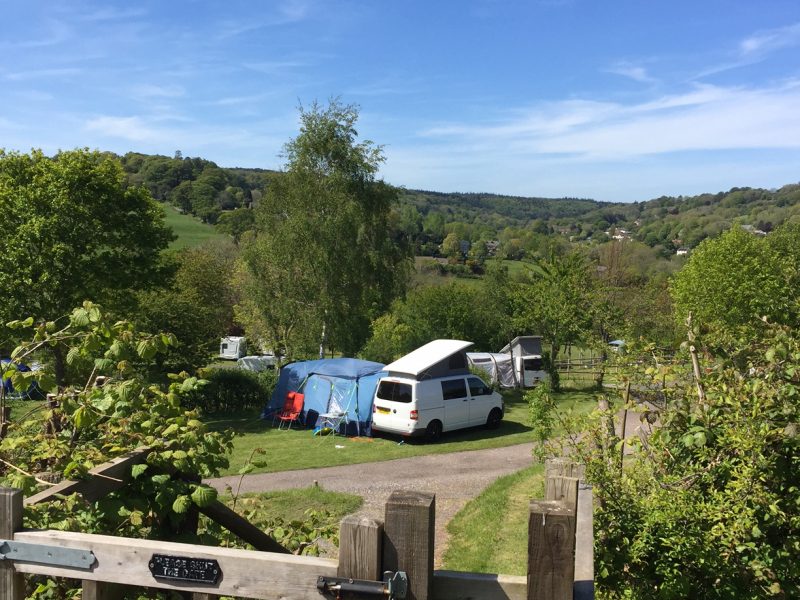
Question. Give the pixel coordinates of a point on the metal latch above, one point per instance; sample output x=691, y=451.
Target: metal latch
x=393, y=587
x=46, y=555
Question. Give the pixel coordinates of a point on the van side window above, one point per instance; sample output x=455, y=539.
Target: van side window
x=394, y=391
x=478, y=388
x=454, y=389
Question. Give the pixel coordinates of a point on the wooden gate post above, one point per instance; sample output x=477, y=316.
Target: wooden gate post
x=100, y=590
x=551, y=550
x=408, y=540
x=360, y=548
x=12, y=584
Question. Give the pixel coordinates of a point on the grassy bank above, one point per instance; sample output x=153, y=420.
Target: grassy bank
x=490, y=534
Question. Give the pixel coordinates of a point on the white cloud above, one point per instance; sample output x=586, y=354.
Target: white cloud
x=43, y=74
x=135, y=129
x=289, y=11
x=705, y=118
x=635, y=72
x=769, y=40
x=149, y=90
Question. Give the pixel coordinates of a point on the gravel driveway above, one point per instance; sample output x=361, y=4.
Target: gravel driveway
x=455, y=478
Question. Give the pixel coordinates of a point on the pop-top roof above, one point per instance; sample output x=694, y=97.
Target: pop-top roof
x=426, y=356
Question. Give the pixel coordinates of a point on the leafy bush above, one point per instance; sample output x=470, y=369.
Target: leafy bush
x=227, y=390
x=541, y=409
x=707, y=506
x=92, y=422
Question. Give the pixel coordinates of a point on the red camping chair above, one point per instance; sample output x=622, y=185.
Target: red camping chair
x=292, y=409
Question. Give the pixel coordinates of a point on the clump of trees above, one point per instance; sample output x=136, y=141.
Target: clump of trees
x=322, y=262
x=708, y=505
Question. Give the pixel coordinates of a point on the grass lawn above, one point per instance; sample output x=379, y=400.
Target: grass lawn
x=190, y=231
x=291, y=505
x=490, y=534
x=299, y=449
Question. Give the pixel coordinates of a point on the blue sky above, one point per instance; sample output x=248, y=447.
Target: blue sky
x=613, y=100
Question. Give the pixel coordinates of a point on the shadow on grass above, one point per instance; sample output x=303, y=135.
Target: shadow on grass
x=470, y=434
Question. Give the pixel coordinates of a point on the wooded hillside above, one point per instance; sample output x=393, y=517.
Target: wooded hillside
x=224, y=197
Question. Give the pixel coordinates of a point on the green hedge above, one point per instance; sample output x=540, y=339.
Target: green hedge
x=232, y=390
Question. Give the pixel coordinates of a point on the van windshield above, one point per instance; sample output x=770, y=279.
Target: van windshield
x=394, y=391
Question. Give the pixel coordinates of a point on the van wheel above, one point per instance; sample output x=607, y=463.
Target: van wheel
x=494, y=418
x=433, y=432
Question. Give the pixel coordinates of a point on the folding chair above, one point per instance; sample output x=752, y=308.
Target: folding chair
x=292, y=410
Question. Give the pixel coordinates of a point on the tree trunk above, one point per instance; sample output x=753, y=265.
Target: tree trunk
x=323, y=339
x=59, y=366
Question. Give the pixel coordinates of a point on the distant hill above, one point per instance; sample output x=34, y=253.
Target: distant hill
x=224, y=196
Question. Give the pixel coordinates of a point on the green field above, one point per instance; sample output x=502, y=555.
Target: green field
x=300, y=449
x=190, y=231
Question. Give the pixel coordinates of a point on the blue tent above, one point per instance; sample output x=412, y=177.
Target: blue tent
x=330, y=385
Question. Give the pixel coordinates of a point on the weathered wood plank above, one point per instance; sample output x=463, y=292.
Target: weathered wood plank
x=106, y=478
x=551, y=550
x=98, y=590
x=12, y=586
x=408, y=540
x=361, y=548
x=562, y=488
x=455, y=585
x=242, y=528
x=583, y=585
x=245, y=573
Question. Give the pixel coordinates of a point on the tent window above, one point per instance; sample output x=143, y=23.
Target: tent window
x=481, y=360
x=394, y=391
x=458, y=361
x=454, y=389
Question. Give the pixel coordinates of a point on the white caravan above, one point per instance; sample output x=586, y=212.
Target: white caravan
x=526, y=356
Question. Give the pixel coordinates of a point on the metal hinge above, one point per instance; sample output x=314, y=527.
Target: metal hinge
x=393, y=587
x=46, y=555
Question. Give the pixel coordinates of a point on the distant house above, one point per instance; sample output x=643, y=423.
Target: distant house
x=492, y=246
x=682, y=251
x=464, y=246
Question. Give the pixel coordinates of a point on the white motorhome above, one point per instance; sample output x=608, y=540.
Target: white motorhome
x=526, y=357
x=232, y=348
x=431, y=390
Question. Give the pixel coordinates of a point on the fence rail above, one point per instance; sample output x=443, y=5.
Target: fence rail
x=560, y=555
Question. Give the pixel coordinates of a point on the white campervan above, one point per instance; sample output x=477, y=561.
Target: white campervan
x=431, y=390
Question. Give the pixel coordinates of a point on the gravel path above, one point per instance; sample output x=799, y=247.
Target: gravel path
x=455, y=478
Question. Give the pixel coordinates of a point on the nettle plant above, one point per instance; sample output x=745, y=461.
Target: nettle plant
x=85, y=424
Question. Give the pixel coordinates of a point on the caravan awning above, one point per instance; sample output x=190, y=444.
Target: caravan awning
x=426, y=356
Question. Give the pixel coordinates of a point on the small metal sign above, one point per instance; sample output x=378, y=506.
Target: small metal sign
x=184, y=568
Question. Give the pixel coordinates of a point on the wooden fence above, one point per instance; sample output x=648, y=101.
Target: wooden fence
x=560, y=556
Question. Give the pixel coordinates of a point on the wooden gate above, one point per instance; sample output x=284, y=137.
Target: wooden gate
x=557, y=569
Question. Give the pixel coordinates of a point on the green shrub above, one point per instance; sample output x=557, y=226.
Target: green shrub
x=232, y=390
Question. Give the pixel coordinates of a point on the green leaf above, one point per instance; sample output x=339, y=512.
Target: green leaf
x=137, y=470
x=204, y=495
x=182, y=504
x=248, y=468
x=146, y=349
x=80, y=417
